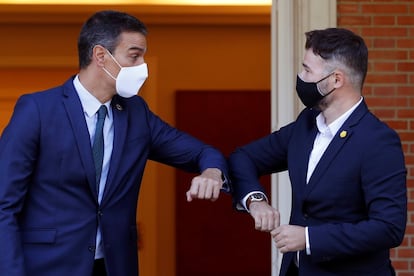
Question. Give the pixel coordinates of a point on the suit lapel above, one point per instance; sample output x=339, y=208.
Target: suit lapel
x=76, y=116
x=120, y=132
x=327, y=158
x=300, y=152
x=306, y=150
x=341, y=137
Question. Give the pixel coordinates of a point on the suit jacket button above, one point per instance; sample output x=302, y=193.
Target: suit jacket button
x=305, y=216
x=91, y=248
x=100, y=213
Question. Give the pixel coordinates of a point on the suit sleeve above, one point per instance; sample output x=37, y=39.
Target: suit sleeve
x=181, y=150
x=260, y=157
x=383, y=184
x=18, y=151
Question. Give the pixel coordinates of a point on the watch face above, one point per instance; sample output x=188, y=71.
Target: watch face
x=257, y=197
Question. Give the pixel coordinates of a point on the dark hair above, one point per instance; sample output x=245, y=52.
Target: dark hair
x=341, y=45
x=104, y=28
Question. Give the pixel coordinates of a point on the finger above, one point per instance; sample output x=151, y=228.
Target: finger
x=216, y=189
x=257, y=223
x=193, y=191
x=275, y=233
x=271, y=221
x=201, y=189
x=279, y=244
x=189, y=197
x=265, y=224
x=216, y=192
x=208, y=194
x=270, y=224
x=277, y=219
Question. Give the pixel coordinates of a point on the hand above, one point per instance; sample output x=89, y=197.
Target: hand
x=206, y=186
x=266, y=218
x=289, y=238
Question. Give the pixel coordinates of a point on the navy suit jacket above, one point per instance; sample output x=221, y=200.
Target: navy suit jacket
x=355, y=203
x=49, y=211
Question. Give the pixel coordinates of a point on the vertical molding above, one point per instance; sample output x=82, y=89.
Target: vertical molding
x=290, y=20
x=282, y=109
x=311, y=15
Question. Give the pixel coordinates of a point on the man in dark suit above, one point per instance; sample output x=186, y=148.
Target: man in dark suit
x=72, y=159
x=346, y=169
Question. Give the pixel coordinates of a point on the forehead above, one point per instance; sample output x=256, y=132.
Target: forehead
x=312, y=61
x=130, y=41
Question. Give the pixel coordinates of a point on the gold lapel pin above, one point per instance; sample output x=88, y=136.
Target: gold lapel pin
x=119, y=107
x=343, y=134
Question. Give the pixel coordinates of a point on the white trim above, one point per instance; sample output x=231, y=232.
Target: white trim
x=290, y=20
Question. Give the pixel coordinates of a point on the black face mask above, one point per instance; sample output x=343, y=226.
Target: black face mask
x=309, y=93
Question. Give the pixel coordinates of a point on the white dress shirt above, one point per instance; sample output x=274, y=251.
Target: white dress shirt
x=322, y=140
x=90, y=106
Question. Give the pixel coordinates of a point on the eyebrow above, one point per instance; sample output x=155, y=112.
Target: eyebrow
x=305, y=66
x=135, y=48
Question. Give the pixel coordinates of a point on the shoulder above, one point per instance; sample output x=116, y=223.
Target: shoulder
x=373, y=136
x=52, y=93
x=383, y=130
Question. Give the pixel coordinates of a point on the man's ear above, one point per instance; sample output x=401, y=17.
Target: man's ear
x=339, y=79
x=98, y=55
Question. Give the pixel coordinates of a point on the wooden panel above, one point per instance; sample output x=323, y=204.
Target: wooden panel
x=150, y=14
x=6, y=109
x=18, y=81
x=213, y=238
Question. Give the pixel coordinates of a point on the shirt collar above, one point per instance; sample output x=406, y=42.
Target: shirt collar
x=90, y=104
x=333, y=127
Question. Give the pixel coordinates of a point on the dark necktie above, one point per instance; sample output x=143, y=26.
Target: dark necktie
x=98, y=144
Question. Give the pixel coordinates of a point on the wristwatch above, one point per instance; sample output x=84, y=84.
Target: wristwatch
x=256, y=197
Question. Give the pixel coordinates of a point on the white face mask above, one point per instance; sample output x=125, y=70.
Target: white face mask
x=130, y=79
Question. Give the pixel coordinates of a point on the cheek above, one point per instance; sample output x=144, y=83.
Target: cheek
x=113, y=68
x=306, y=76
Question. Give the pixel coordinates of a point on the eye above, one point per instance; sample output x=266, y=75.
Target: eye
x=138, y=57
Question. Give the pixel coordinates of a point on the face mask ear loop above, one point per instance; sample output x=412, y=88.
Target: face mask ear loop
x=327, y=76
x=117, y=63
x=324, y=78
x=109, y=74
x=106, y=71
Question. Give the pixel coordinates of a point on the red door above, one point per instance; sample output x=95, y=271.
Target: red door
x=212, y=238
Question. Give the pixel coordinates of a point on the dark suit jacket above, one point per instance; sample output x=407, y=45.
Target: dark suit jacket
x=355, y=203
x=48, y=203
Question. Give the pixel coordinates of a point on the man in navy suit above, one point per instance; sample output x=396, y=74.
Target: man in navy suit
x=70, y=179
x=346, y=169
